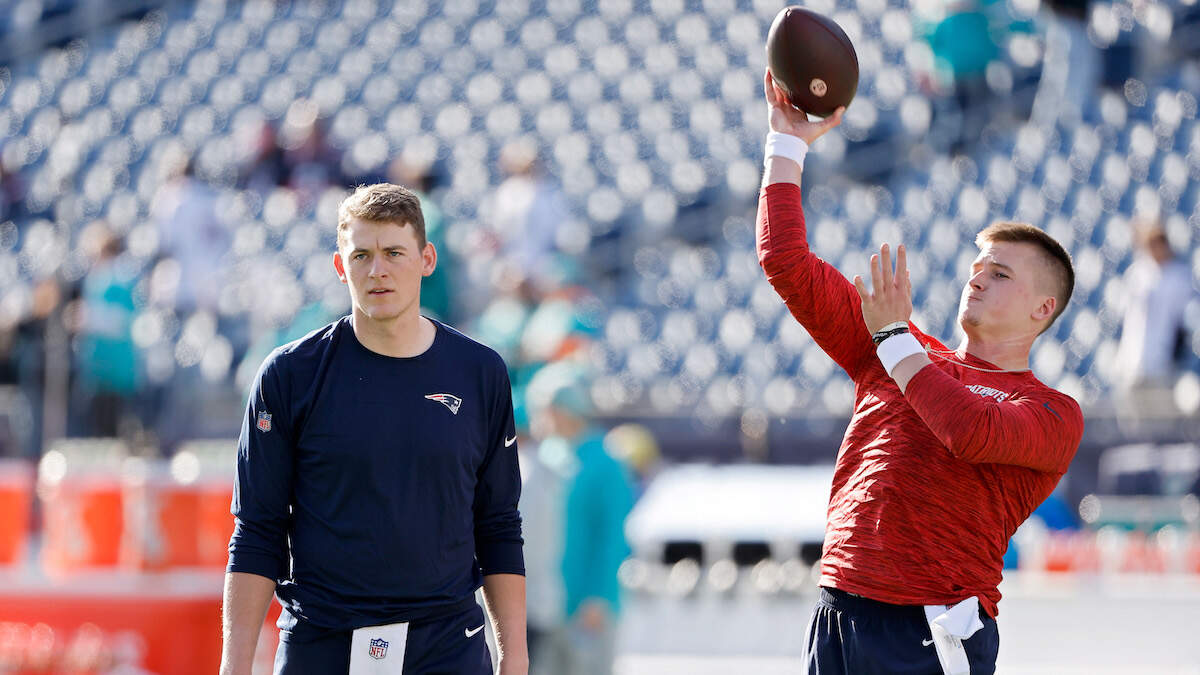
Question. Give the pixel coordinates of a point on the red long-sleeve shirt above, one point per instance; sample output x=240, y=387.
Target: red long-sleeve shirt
x=929, y=484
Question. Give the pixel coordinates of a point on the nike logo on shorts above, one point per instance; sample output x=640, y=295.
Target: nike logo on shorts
x=509, y=441
x=471, y=632
x=926, y=643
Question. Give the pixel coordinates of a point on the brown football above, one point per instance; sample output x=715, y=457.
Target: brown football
x=812, y=60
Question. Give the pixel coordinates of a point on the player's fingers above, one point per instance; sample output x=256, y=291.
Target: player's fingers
x=781, y=98
x=901, y=262
x=885, y=267
x=861, y=287
x=769, y=86
x=876, y=278
x=833, y=120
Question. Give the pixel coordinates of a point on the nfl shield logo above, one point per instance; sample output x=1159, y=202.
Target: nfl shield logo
x=378, y=648
x=264, y=421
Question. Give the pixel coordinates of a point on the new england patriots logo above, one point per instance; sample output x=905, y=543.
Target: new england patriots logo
x=378, y=648
x=449, y=400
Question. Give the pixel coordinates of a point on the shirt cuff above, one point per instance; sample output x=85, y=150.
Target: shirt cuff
x=254, y=563
x=501, y=557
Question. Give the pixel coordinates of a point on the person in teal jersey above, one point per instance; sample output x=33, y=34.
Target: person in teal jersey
x=108, y=362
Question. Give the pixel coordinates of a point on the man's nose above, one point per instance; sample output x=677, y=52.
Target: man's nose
x=377, y=268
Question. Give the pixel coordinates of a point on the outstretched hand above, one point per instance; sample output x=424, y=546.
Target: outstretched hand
x=889, y=299
x=786, y=119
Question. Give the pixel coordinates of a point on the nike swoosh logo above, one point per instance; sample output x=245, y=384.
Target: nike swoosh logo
x=471, y=633
x=1052, y=411
x=509, y=441
x=926, y=643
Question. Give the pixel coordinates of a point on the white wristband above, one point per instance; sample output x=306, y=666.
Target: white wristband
x=786, y=146
x=897, y=348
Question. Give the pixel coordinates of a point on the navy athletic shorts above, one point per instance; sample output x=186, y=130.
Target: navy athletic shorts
x=853, y=635
x=452, y=645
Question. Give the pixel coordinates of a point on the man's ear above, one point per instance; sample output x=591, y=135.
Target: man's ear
x=1045, y=310
x=339, y=266
x=428, y=259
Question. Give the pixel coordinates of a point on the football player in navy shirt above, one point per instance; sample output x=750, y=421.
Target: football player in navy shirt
x=377, y=479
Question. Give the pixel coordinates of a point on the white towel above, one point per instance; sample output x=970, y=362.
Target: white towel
x=949, y=627
x=378, y=650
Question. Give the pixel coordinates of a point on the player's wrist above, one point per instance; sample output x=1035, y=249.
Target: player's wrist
x=787, y=146
x=891, y=329
x=897, y=347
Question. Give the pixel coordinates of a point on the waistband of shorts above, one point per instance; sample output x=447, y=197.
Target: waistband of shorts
x=857, y=604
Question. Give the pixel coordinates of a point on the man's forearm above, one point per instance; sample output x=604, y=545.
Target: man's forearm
x=504, y=595
x=244, y=608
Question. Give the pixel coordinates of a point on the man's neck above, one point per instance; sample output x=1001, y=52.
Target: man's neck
x=1008, y=354
x=404, y=336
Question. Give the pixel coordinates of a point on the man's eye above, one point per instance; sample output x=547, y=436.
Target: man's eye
x=1001, y=275
x=394, y=253
x=360, y=256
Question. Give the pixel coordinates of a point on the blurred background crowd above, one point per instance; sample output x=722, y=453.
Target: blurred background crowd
x=170, y=172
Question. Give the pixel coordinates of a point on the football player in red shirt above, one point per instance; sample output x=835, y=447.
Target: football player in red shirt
x=948, y=450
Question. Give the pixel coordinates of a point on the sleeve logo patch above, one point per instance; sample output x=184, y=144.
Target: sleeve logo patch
x=452, y=402
x=264, y=421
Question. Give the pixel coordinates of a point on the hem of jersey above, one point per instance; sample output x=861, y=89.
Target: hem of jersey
x=842, y=584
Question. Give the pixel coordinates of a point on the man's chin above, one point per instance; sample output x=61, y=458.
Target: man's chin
x=379, y=314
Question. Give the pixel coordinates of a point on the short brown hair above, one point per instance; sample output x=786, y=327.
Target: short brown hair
x=1055, y=256
x=383, y=203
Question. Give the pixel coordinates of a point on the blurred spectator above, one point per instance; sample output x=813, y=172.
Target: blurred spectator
x=266, y=169
x=12, y=193
x=193, y=237
x=29, y=318
x=1070, y=65
x=108, y=370
x=546, y=468
x=598, y=498
x=1154, y=341
x=526, y=211
x=310, y=162
x=963, y=44
x=437, y=290
x=636, y=448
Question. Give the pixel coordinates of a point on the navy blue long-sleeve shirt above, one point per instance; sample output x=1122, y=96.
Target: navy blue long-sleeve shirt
x=376, y=489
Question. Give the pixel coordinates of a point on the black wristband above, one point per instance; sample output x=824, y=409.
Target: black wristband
x=885, y=334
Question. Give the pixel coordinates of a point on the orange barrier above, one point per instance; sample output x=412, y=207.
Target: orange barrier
x=104, y=509
x=161, y=517
x=16, y=498
x=214, y=523
x=80, y=487
x=167, y=624
x=1071, y=552
x=83, y=523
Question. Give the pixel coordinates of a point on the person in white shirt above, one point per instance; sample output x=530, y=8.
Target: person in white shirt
x=1158, y=286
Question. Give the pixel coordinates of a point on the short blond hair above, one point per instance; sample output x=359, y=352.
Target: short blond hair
x=382, y=203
